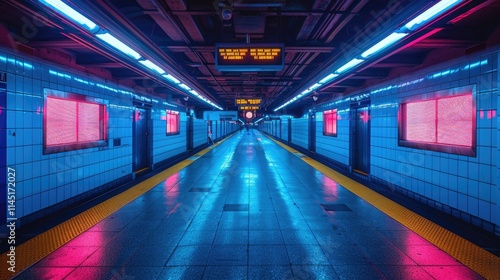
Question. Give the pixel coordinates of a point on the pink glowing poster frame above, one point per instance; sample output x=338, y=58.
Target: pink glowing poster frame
x=73, y=121
x=442, y=121
x=172, y=122
x=330, y=119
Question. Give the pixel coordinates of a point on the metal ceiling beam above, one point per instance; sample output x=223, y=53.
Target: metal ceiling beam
x=211, y=48
x=57, y=44
x=260, y=78
x=100, y=64
x=372, y=73
x=448, y=43
x=400, y=60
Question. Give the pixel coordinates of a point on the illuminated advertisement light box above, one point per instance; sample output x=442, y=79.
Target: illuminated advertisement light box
x=248, y=101
x=249, y=57
x=249, y=108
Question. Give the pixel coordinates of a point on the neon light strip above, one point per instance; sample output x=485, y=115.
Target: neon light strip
x=117, y=44
x=394, y=37
x=70, y=13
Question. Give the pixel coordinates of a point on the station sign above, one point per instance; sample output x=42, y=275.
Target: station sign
x=249, y=108
x=249, y=57
x=248, y=101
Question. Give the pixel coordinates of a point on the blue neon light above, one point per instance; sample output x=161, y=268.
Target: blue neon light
x=117, y=44
x=75, y=16
x=152, y=66
x=430, y=14
x=328, y=78
x=185, y=87
x=172, y=79
x=386, y=42
x=70, y=13
x=349, y=65
x=417, y=22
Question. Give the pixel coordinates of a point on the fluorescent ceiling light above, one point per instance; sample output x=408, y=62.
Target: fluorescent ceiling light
x=349, y=65
x=152, y=66
x=172, y=78
x=313, y=87
x=70, y=12
x=194, y=92
x=117, y=44
x=421, y=19
x=328, y=78
x=431, y=13
x=185, y=87
x=386, y=42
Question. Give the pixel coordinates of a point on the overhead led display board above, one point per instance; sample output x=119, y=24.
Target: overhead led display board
x=249, y=108
x=248, y=101
x=249, y=57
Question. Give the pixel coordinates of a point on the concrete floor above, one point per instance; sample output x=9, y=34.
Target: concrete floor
x=248, y=209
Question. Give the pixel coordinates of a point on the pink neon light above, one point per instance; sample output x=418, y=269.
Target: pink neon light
x=455, y=120
x=421, y=121
x=364, y=116
x=70, y=122
x=88, y=122
x=330, y=121
x=61, y=121
x=172, y=121
x=446, y=121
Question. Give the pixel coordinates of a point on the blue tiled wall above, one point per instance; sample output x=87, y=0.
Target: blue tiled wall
x=46, y=180
x=334, y=147
x=300, y=128
x=166, y=146
x=469, y=184
x=495, y=140
x=200, y=131
x=284, y=128
x=215, y=130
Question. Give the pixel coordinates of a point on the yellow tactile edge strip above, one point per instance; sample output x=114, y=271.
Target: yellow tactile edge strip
x=476, y=258
x=33, y=250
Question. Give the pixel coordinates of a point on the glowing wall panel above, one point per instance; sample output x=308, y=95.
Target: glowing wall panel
x=455, y=121
x=61, y=122
x=72, y=122
x=173, y=122
x=446, y=123
x=330, y=122
x=421, y=121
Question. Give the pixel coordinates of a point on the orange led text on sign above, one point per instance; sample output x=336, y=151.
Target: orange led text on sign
x=249, y=108
x=233, y=54
x=245, y=101
x=255, y=53
x=264, y=53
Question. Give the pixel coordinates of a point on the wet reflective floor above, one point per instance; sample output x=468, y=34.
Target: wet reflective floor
x=248, y=209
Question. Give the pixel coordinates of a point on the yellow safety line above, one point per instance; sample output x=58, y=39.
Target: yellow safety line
x=483, y=262
x=33, y=250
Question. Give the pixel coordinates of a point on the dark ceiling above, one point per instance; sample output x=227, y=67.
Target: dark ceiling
x=181, y=35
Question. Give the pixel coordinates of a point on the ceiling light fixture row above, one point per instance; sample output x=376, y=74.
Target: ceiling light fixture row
x=103, y=35
x=414, y=24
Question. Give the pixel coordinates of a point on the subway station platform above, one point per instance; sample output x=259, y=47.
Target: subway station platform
x=249, y=208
